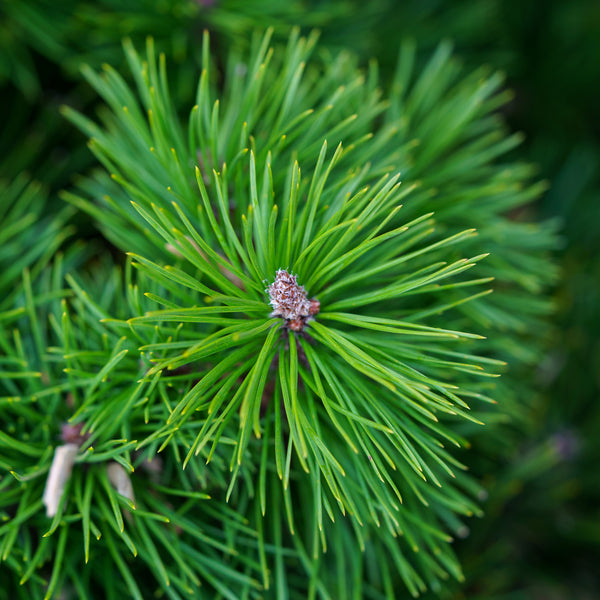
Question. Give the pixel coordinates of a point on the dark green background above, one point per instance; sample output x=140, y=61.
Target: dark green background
x=541, y=536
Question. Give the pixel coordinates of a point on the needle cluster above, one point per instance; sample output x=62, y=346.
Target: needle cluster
x=299, y=345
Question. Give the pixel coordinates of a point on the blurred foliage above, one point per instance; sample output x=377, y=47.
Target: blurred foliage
x=541, y=531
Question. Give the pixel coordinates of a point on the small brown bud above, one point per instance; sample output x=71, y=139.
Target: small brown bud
x=287, y=298
x=71, y=434
x=289, y=301
x=296, y=324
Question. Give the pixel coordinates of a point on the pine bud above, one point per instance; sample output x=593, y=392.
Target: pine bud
x=288, y=299
x=290, y=302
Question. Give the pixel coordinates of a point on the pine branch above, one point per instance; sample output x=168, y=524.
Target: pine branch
x=303, y=309
x=349, y=416
x=115, y=501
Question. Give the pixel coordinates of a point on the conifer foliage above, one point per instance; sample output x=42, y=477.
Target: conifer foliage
x=274, y=396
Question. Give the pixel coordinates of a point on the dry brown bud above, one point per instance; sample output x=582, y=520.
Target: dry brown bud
x=315, y=306
x=288, y=299
x=71, y=433
x=296, y=324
